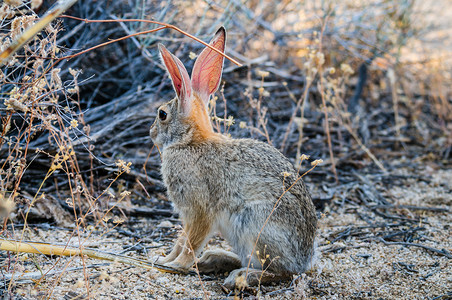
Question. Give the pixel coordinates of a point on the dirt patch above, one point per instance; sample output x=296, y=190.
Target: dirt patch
x=353, y=261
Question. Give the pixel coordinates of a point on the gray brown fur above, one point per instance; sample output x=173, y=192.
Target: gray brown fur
x=220, y=184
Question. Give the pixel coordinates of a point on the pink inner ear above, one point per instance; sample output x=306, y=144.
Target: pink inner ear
x=178, y=73
x=206, y=74
x=186, y=84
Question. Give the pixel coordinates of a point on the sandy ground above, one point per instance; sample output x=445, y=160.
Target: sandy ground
x=353, y=267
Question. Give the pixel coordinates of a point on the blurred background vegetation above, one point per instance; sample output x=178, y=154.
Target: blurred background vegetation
x=363, y=85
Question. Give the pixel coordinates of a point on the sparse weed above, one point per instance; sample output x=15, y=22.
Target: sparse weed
x=305, y=89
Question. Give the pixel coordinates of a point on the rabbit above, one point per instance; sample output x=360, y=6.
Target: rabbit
x=226, y=185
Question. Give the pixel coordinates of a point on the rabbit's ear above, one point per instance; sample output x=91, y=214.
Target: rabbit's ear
x=179, y=77
x=206, y=74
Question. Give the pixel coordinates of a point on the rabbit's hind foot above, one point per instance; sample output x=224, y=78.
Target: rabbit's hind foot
x=218, y=261
x=244, y=277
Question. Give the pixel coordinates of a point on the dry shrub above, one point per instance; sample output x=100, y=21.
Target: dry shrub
x=70, y=129
x=42, y=102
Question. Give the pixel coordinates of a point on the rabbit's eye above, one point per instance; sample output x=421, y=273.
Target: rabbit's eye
x=162, y=115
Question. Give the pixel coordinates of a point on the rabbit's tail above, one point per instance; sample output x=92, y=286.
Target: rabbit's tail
x=314, y=257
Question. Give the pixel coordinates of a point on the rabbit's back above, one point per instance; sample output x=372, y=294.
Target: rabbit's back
x=238, y=182
x=232, y=171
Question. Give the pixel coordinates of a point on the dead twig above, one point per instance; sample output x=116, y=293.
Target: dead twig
x=411, y=207
x=164, y=26
x=32, y=277
x=62, y=250
x=442, y=252
x=51, y=15
x=144, y=211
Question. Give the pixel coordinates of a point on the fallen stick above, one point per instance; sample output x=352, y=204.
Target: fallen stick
x=142, y=211
x=442, y=252
x=32, y=277
x=411, y=207
x=49, y=249
x=59, y=8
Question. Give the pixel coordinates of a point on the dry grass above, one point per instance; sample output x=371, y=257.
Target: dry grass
x=356, y=83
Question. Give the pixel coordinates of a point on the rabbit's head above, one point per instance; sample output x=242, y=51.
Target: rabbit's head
x=185, y=119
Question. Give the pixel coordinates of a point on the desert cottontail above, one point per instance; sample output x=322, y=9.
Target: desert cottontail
x=220, y=184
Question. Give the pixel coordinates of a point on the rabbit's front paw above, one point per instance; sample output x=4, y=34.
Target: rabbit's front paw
x=158, y=259
x=181, y=263
x=177, y=268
